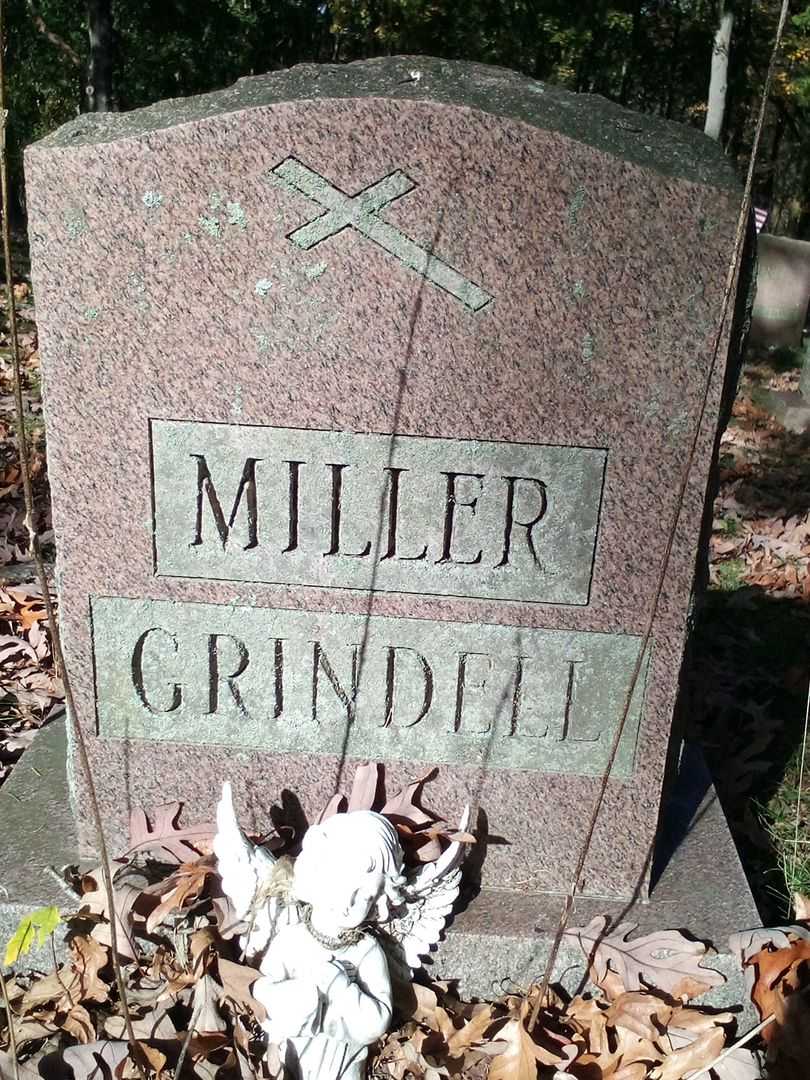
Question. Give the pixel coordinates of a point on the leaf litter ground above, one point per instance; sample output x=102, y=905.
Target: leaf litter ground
x=187, y=983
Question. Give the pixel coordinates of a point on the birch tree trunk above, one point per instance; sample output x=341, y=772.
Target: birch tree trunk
x=718, y=82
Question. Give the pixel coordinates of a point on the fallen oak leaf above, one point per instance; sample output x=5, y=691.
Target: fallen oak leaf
x=125, y=897
x=691, y=1021
x=640, y=1013
x=79, y=1024
x=517, y=1061
x=746, y=943
x=184, y=885
x=74, y=982
x=689, y=1059
x=736, y=1063
x=521, y=1054
x=779, y=974
x=89, y=958
x=237, y=982
x=472, y=1032
x=154, y=1059
x=207, y=1017
x=32, y=1030
x=665, y=959
x=179, y=843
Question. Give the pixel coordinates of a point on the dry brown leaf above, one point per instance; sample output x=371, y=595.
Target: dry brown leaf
x=801, y=906
x=174, y=842
x=697, y=1055
x=642, y=1014
x=94, y=901
x=79, y=1024
x=207, y=994
x=30, y=1030
x=184, y=886
x=93, y=1060
x=686, y=1018
x=472, y=1032
x=779, y=974
x=741, y=1064
x=518, y=1061
x=88, y=960
x=154, y=1059
x=237, y=981
x=665, y=960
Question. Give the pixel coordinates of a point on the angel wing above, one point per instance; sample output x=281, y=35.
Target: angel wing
x=247, y=871
x=429, y=895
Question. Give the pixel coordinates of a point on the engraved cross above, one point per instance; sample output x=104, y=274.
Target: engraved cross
x=360, y=212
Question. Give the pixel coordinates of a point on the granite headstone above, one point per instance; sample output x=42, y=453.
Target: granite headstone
x=783, y=292
x=369, y=391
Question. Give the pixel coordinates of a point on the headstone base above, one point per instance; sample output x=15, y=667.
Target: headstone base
x=500, y=941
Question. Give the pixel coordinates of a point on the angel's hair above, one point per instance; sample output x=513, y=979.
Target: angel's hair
x=350, y=846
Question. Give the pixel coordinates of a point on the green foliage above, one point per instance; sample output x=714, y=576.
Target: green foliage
x=33, y=928
x=652, y=56
x=791, y=803
x=730, y=575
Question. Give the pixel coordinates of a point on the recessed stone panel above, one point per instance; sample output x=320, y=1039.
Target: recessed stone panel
x=369, y=687
x=450, y=517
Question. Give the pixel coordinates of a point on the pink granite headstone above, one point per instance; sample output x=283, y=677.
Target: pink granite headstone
x=369, y=390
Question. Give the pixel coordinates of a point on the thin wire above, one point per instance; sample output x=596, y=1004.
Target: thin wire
x=731, y=277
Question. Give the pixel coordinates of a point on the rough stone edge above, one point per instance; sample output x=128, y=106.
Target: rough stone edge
x=661, y=145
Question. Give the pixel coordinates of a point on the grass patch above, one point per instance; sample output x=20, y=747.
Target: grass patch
x=788, y=806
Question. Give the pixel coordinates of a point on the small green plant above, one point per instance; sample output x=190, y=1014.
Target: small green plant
x=33, y=929
x=730, y=575
x=731, y=526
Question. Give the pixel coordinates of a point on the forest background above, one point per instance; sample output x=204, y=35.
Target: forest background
x=654, y=56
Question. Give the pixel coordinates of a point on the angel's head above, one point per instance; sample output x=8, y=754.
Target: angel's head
x=350, y=869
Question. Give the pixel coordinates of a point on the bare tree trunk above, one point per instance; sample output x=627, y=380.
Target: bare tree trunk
x=718, y=82
x=98, y=94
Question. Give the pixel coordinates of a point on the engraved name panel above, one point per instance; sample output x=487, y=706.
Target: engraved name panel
x=370, y=687
x=447, y=517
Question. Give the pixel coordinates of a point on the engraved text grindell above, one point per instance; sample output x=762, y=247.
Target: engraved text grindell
x=376, y=687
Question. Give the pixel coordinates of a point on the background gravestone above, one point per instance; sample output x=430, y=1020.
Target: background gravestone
x=783, y=291
x=778, y=320
x=357, y=377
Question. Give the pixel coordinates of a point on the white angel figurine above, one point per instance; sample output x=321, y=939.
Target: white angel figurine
x=333, y=932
